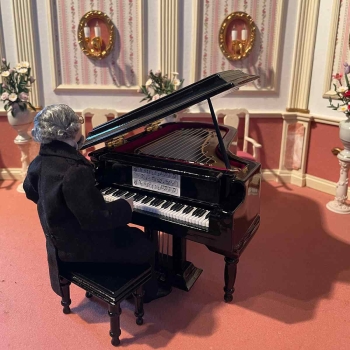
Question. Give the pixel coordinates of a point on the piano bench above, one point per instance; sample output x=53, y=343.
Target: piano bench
x=111, y=283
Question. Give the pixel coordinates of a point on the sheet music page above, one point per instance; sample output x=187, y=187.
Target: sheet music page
x=155, y=180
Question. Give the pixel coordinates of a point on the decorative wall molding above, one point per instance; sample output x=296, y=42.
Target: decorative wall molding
x=298, y=142
x=2, y=46
x=122, y=70
x=25, y=40
x=268, y=18
x=331, y=47
x=303, y=56
x=169, y=32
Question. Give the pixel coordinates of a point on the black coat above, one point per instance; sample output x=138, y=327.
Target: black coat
x=72, y=211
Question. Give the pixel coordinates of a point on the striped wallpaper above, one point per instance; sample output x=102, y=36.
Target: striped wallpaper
x=261, y=60
x=121, y=67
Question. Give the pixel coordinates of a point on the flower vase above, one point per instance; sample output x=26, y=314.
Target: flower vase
x=344, y=135
x=339, y=205
x=21, y=121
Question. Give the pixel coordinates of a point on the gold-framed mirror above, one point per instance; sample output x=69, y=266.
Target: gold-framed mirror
x=96, y=34
x=237, y=36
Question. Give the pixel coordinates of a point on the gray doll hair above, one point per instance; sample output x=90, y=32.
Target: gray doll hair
x=55, y=122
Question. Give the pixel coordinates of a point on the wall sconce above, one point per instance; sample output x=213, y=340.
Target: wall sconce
x=237, y=35
x=96, y=34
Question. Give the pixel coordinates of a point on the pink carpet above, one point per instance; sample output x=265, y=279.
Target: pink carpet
x=292, y=287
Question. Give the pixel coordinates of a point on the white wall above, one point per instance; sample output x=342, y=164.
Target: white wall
x=318, y=104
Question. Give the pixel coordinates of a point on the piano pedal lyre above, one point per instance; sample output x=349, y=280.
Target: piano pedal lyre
x=115, y=142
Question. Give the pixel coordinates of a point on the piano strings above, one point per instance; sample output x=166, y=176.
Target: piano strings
x=184, y=144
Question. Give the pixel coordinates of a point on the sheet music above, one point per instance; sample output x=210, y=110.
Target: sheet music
x=158, y=181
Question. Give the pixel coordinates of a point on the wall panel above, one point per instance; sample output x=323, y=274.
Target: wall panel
x=122, y=69
x=263, y=60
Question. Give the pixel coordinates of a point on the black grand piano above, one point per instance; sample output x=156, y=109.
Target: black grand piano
x=183, y=178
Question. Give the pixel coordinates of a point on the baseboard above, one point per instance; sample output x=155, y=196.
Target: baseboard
x=10, y=174
x=322, y=185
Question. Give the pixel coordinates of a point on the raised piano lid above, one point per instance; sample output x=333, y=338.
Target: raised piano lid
x=179, y=100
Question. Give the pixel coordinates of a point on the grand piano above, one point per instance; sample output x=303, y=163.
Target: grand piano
x=184, y=180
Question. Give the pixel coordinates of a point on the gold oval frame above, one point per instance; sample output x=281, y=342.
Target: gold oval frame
x=240, y=48
x=89, y=46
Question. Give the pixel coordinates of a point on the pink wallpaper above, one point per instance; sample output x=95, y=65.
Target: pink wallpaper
x=261, y=60
x=121, y=67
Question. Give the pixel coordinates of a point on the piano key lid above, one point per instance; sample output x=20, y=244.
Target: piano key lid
x=112, y=131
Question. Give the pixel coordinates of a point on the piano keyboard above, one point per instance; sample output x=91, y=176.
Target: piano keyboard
x=160, y=207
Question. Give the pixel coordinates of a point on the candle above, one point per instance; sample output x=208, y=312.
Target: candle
x=87, y=31
x=234, y=33
x=97, y=30
x=244, y=33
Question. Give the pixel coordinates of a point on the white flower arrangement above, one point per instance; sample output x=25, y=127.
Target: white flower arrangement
x=15, y=87
x=159, y=85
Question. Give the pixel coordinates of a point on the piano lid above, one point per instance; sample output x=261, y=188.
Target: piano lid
x=169, y=104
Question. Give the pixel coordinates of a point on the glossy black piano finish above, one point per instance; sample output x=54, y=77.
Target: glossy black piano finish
x=234, y=207
x=226, y=187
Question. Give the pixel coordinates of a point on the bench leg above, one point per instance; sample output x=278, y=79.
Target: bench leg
x=65, y=302
x=138, y=294
x=114, y=312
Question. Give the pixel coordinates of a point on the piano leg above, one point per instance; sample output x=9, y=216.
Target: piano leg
x=230, y=278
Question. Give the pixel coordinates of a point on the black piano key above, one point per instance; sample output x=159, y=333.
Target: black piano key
x=166, y=205
x=195, y=213
x=158, y=202
x=111, y=190
x=153, y=202
x=119, y=193
x=104, y=190
x=200, y=213
x=129, y=195
x=138, y=197
x=180, y=207
x=173, y=207
x=187, y=210
x=146, y=200
x=207, y=216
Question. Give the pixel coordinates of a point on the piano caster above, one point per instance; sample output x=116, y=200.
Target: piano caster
x=230, y=278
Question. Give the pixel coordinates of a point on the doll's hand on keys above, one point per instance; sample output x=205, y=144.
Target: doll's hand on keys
x=131, y=203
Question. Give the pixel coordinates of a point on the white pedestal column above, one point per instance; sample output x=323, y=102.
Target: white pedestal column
x=23, y=141
x=339, y=204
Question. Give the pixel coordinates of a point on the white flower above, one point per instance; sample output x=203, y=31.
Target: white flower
x=341, y=89
x=158, y=73
x=13, y=97
x=6, y=73
x=148, y=82
x=24, y=64
x=22, y=70
x=176, y=82
x=342, y=109
x=155, y=97
x=4, y=96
